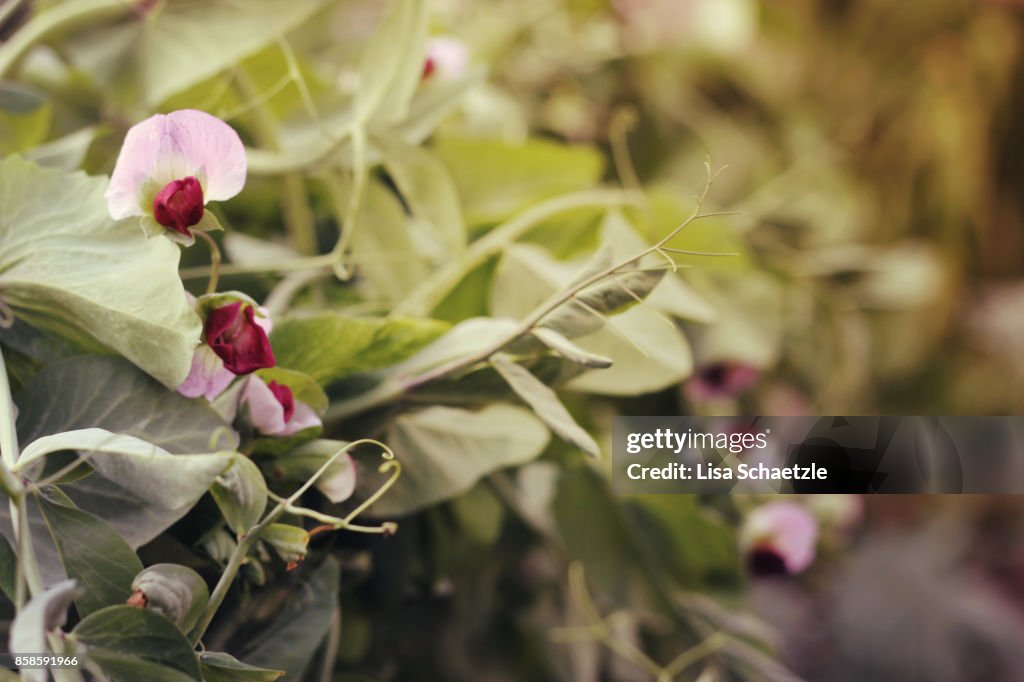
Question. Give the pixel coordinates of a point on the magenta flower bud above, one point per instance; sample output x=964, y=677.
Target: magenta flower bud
x=285, y=398
x=721, y=379
x=779, y=538
x=179, y=205
x=233, y=333
x=273, y=409
x=169, y=167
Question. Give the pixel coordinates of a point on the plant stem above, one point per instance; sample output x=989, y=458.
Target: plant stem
x=215, y=261
x=63, y=16
x=434, y=289
x=250, y=538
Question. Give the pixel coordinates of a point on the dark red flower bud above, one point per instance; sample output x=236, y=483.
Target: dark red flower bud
x=429, y=66
x=285, y=397
x=231, y=331
x=179, y=205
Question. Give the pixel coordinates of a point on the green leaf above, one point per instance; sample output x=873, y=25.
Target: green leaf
x=186, y=42
x=329, y=346
x=167, y=481
x=495, y=178
x=65, y=153
x=110, y=393
x=126, y=641
x=650, y=355
x=44, y=612
x=392, y=63
x=430, y=193
x=93, y=553
x=241, y=494
x=570, y=351
x=221, y=667
x=287, y=540
x=67, y=267
x=174, y=591
x=544, y=403
x=444, y=451
x=290, y=640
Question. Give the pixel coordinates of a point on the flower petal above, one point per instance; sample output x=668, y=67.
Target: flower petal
x=303, y=418
x=164, y=148
x=265, y=412
x=208, y=377
x=786, y=529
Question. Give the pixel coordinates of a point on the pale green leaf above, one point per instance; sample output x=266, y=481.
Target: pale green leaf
x=336, y=484
x=570, y=351
x=495, y=178
x=241, y=494
x=174, y=591
x=391, y=64
x=427, y=188
x=93, y=553
x=165, y=480
x=44, y=612
x=545, y=404
x=132, y=644
x=329, y=346
x=221, y=667
x=187, y=42
x=444, y=451
x=65, y=265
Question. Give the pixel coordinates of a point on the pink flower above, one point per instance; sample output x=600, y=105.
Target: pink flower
x=779, y=538
x=238, y=339
x=208, y=377
x=170, y=166
x=237, y=335
x=721, y=379
x=446, y=58
x=273, y=409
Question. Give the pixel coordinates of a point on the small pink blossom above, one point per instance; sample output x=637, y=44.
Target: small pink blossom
x=446, y=58
x=721, y=379
x=779, y=538
x=273, y=409
x=170, y=166
x=208, y=377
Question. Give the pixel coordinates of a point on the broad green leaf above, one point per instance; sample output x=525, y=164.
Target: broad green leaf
x=8, y=568
x=329, y=346
x=570, y=351
x=174, y=591
x=385, y=247
x=127, y=641
x=167, y=481
x=392, y=63
x=444, y=451
x=496, y=179
x=44, y=612
x=544, y=403
x=336, y=484
x=428, y=190
x=431, y=104
x=650, y=354
x=749, y=324
x=93, y=553
x=289, y=641
x=66, y=266
x=241, y=494
x=221, y=667
x=187, y=42
x=111, y=394
x=673, y=296
x=287, y=540
x=65, y=153
x=466, y=338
